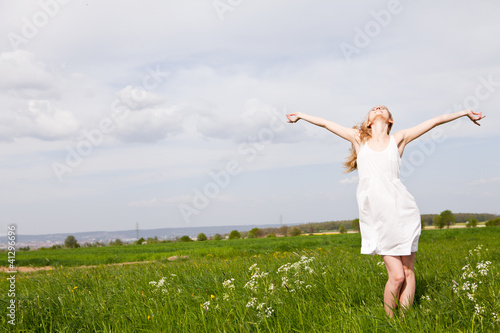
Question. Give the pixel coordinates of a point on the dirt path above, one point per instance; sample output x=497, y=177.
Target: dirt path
x=29, y=269
x=24, y=269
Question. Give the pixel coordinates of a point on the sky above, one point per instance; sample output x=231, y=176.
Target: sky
x=172, y=113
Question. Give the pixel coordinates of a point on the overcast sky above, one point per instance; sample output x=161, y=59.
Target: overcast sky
x=172, y=113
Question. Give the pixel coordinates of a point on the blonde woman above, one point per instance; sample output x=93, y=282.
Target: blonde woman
x=389, y=218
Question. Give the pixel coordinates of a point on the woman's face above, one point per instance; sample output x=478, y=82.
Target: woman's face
x=379, y=111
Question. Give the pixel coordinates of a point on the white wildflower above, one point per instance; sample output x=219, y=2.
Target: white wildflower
x=206, y=305
x=229, y=284
x=258, y=275
x=251, y=302
x=252, y=285
x=284, y=268
x=466, y=285
x=261, y=306
x=161, y=282
x=269, y=312
x=479, y=309
x=483, y=267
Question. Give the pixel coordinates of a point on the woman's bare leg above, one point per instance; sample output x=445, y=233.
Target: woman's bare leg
x=407, y=292
x=396, y=272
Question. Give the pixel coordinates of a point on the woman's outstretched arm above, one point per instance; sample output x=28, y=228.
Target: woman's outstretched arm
x=350, y=134
x=408, y=135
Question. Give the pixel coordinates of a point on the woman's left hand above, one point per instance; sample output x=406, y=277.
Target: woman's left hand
x=475, y=116
x=293, y=117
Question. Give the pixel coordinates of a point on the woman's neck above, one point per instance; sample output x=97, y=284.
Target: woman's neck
x=379, y=130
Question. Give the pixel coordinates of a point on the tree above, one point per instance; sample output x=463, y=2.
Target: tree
x=255, y=233
x=185, y=239
x=295, y=231
x=283, y=230
x=492, y=223
x=71, y=242
x=152, y=240
x=140, y=241
x=217, y=237
x=342, y=229
x=422, y=223
x=251, y=233
x=471, y=223
x=438, y=223
x=271, y=234
x=235, y=234
x=428, y=220
x=355, y=224
x=201, y=237
x=447, y=218
x=117, y=242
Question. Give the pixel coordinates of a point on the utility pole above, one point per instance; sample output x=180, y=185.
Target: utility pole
x=137, y=230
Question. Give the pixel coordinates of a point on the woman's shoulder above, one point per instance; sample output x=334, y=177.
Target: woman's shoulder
x=398, y=137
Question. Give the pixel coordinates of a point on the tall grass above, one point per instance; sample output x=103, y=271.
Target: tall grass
x=300, y=284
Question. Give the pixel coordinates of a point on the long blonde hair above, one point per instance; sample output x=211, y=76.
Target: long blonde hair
x=365, y=134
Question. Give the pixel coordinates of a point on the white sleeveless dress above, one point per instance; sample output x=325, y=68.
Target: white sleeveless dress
x=389, y=218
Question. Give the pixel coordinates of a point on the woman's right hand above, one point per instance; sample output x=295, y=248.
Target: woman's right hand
x=475, y=116
x=293, y=117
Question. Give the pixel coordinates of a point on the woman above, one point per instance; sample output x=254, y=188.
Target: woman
x=389, y=218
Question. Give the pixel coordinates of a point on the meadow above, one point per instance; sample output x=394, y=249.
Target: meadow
x=315, y=283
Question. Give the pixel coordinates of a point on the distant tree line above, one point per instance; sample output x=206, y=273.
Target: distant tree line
x=429, y=219
x=445, y=219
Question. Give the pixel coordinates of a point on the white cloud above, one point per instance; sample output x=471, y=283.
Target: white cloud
x=482, y=181
x=347, y=181
x=138, y=99
x=25, y=76
x=255, y=119
x=38, y=119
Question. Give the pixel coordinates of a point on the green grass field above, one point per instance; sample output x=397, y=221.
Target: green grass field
x=293, y=284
